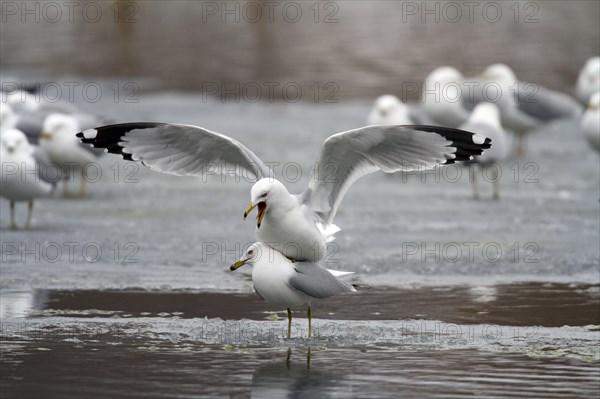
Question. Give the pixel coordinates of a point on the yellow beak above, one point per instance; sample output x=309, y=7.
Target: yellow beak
x=45, y=135
x=248, y=210
x=262, y=208
x=238, y=264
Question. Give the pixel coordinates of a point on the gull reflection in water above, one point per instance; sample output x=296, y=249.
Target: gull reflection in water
x=291, y=379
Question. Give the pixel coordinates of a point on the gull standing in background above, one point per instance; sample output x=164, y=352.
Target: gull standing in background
x=588, y=81
x=288, y=284
x=301, y=225
x=389, y=110
x=523, y=106
x=31, y=109
x=442, y=97
x=60, y=143
x=485, y=119
x=19, y=159
x=590, y=122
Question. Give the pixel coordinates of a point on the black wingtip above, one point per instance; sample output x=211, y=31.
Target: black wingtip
x=467, y=144
x=110, y=136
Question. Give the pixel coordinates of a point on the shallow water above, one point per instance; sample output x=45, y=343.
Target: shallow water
x=165, y=344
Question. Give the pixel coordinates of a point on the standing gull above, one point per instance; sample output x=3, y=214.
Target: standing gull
x=31, y=110
x=389, y=110
x=588, y=81
x=298, y=225
x=442, y=97
x=24, y=171
x=590, y=122
x=59, y=141
x=288, y=284
x=486, y=120
x=523, y=106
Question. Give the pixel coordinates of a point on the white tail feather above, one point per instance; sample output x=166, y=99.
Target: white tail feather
x=339, y=273
x=328, y=231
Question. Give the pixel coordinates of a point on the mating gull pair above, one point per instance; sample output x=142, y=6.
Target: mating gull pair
x=290, y=278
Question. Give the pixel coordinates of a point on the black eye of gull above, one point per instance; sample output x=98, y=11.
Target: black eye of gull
x=264, y=195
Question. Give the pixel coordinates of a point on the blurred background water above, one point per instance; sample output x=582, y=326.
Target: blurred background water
x=364, y=48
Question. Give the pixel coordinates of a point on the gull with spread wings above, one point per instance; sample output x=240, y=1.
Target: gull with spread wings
x=299, y=226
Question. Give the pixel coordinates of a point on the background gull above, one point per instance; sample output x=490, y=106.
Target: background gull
x=288, y=284
x=442, y=97
x=59, y=141
x=485, y=119
x=27, y=121
x=298, y=225
x=389, y=110
x=588, y=81
x=30, y=110
x=523, y=106
x=19, y=158
x=590, y=122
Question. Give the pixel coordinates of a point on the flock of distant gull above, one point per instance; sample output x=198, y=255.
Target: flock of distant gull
x=458, y=120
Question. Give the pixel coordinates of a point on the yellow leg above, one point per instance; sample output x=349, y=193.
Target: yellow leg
x=308, y=357
x=13, y=223
x=496, y=185
x=474, y=182
x=309, y=314
x=82, y=185
x=520, y=144
x=29, y=212
x=289, y=314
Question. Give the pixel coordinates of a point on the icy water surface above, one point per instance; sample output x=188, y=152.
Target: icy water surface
x=377, y=343
x=126, y=293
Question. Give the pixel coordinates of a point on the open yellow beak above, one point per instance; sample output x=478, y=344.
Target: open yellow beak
x=248, y=210
x=262, y=208
x=238, y=264
x=45, y=135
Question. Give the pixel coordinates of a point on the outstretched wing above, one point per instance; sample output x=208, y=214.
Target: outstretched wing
x=347, y=156
x=177, y=149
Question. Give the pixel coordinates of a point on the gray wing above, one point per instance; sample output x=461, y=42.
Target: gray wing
x=177, y=149
x=44, y=165
x=476, y=91
x=31, y=124
x=314, y=281
x=347, y=156
x=418, y=116
x=545, y=104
